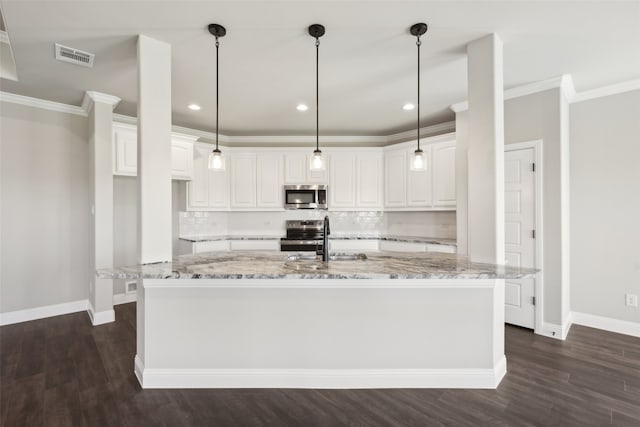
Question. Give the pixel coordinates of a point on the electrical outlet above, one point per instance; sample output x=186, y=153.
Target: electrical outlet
x=632, y=300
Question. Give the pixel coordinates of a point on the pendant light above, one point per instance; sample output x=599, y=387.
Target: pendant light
x=419, y=162
x=216, y=158
x=317, y=161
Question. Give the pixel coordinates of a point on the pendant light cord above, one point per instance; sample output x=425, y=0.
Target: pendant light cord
x=317, y=96
x=217, y=90
x=418, y=43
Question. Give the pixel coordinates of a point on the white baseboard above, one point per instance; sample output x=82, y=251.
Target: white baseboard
x=124, y=298
x=320, y=378
x=100, y=317
x=42, y=312
x=558, y=332
x=607, y=324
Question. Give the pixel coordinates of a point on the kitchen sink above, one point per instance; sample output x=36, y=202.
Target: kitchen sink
x=332, y=257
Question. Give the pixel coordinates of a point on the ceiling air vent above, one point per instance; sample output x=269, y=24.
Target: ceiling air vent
x=74, y=56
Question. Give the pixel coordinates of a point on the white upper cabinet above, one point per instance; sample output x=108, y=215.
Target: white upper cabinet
x=125, y=153
x=181, y=157
x=356, y=179
x=419, y=182
x=342, y=180
x=269, y=190
x=369, y=179
x=242, y=171
x=444, y=174
x=297, y=169
x=209, y=189
x=433, y=189
x=395, y=178
x=314, y=177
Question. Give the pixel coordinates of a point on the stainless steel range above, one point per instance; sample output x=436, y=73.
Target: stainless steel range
x=303, y=236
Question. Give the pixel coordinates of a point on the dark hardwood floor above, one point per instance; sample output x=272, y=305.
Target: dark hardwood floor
x=63, y=371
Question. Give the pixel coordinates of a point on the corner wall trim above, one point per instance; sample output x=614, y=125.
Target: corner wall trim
x=100, y=317
x=43, y=312
x=553, y=330
x=606, y=323
x=320, y=378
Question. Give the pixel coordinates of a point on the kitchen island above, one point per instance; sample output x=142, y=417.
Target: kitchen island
x=270, y=319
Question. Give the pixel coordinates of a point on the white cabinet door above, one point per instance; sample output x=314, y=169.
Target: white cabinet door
x=269, y=180
x=295, y=168
x=419, y=182
x=395, y=175
x=125, y=152
x=444, y=174
x=342, y=180
x=217, y=189
x=392, y=246
x=369, y=180
x=255, y=245
x=314, y=177
x=243, y=180
x=181, y=159
x=198, y=187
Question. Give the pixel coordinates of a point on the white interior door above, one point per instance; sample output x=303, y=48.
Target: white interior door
x=519, y=207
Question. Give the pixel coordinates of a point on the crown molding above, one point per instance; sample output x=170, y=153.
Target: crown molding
x=91, y=97
x=445, y=127
x=607, y=90
x=565, y=82
x=42, y=103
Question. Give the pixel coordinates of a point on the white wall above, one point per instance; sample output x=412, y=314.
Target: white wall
x=527, y=118
x=605, y=205
x=45, y=208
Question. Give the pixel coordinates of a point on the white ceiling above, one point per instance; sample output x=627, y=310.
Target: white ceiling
x=367, y=57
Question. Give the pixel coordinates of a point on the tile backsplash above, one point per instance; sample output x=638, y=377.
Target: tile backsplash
x=430, y=224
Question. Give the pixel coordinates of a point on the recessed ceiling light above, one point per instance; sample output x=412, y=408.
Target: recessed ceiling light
x=194, y=107
x=408, y=106
x=302, y=107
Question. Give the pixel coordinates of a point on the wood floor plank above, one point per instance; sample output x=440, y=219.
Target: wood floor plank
x=63, y=371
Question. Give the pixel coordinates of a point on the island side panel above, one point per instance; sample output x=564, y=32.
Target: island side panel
x=217, y=333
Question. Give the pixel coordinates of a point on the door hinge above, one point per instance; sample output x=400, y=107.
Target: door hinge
x=533, y=167
x=533, y=234
x=533, y=300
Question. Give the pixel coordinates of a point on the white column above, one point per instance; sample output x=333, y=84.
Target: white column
x=154, y=150
x=485, y=134
x=100, y=108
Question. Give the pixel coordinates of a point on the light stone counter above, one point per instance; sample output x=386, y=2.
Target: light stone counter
x=274, y=265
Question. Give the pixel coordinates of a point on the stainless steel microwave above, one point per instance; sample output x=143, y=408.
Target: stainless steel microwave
x=305, y=197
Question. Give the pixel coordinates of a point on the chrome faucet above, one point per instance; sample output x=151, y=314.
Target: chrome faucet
x=325, y=241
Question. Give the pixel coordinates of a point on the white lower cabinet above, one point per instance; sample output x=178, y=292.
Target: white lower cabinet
x=445, y=249
x=392, y=246
x=353, y=245
x=255, y=245
x=217, y=245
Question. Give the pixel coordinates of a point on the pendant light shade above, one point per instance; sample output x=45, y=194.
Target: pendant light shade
x=317, y=162
x=419, y=161
x=216, y=158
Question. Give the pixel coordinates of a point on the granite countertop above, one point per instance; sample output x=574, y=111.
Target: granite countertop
x=274, y=265
x=337, y=236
